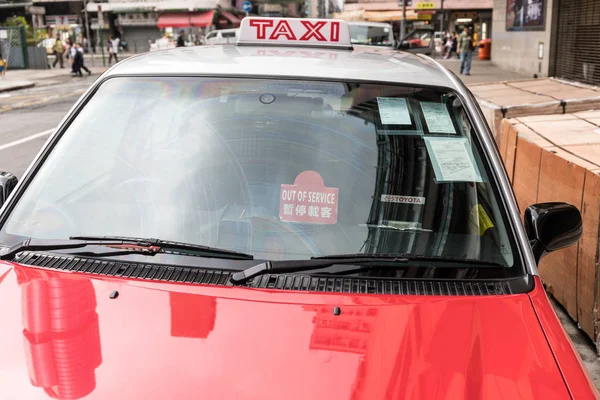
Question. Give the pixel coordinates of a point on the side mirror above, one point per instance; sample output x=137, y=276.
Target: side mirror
x=552, y=226
x=7, y=183
x=404, y=45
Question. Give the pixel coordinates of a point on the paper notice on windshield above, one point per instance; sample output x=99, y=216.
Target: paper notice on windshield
x=437, y=118
x=393, y=111
x=452, y=160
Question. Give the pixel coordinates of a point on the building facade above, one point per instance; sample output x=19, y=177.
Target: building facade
x=521, y=36
x=558, y=38
x=447, y=15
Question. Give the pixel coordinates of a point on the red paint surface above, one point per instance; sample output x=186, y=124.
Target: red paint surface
x=308, y=200
x=576, y=376
x=62, y=336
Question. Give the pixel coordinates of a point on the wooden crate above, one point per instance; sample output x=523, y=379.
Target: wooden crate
x=537, y=97
x=543, y=170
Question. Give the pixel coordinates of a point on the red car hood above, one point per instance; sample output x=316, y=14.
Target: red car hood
x=63, y=336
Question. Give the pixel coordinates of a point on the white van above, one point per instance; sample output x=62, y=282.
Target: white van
x=371, y=34
x=222, y=36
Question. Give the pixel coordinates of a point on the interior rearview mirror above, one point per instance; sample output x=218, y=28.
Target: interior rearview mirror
x=552, y=226
x=7, y=183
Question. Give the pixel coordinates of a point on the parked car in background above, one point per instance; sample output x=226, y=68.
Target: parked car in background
x=222, y=36
x=372, y=34
x=419, y=40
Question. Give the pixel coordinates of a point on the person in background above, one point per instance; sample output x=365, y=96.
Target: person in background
x=449, y=46
x=77, y=61
x=113, y=49
x=3, y=65
x=454, y=39
x=465, y=49
x=68, y=53
x=80, y=60
x=181, y=39
x=58, y=52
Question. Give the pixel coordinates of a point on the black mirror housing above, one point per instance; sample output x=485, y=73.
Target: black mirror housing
x=7, y=183
x=551, y=227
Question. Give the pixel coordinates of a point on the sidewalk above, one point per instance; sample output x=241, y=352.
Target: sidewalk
x=16, y=79
x=481, y=72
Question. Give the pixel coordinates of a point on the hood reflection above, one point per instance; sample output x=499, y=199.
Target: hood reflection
x=60, y=334
x=192, y=316
x=347, y=332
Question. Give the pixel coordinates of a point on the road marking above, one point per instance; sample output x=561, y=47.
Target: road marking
x=26, y=139
x=4, y=95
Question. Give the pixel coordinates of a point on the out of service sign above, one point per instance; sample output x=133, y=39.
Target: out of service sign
x=308, y=200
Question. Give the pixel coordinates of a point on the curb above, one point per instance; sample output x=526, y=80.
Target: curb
x=18, y=87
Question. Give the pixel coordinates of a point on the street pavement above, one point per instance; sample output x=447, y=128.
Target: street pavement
x=482, y=72
x=28, y=116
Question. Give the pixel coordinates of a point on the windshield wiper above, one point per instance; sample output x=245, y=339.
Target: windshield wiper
x=124, y=244
x=317, y=263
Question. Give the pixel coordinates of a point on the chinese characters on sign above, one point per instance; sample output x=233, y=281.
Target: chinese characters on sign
x=525, y=15
x=308, y=200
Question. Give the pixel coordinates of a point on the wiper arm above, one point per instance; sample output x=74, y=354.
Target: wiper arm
x=317, y=263
x=126, y=245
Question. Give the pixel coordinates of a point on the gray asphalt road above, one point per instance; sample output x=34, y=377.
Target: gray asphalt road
x=25, y=114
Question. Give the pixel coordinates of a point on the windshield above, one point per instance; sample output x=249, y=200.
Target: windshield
x=372, y=35
x=277, y=169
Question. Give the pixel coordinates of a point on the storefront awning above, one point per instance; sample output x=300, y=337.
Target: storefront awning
x=178, y=20
x=355, y=15
x=386, y=16
x=185, y=20
x=230, y=17
x=202, y=20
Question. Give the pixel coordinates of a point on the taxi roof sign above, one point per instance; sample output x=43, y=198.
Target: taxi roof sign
x=295, y=32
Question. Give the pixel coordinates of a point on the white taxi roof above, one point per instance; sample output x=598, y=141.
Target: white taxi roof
x=291, y=48
x=361, y=64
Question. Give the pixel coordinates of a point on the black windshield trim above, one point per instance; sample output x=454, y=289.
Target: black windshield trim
x=211, y=274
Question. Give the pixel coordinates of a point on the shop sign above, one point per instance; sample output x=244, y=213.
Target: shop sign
x=525, y=15
x=33, y=10
x=425, y=5
x=61, y=20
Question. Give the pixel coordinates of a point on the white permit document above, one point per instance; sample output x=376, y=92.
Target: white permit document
x=452, y=160
x=437, y=118
x=393, y=111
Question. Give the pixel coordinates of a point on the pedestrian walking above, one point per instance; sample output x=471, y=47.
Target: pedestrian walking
x=449, y=46
x=80, y=60
x=181, y=39
x=113, y=49
x=70, y=53
x=76, y=61
x=465, y=49
x=58, y=52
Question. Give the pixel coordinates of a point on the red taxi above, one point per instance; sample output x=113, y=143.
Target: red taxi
x=286, y=218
